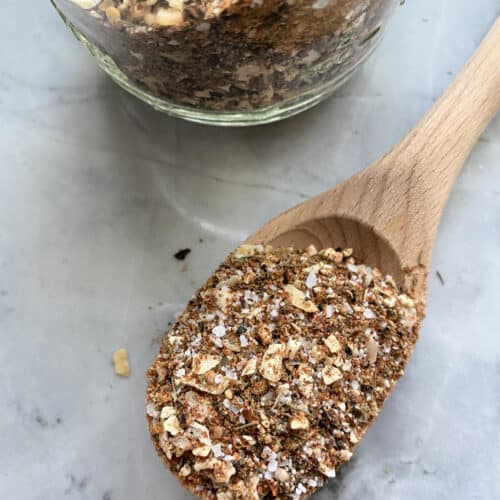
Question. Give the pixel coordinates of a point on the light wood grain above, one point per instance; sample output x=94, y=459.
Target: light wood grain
x=390, y=211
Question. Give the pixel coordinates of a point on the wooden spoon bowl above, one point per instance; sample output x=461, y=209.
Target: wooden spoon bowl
x=370, y=247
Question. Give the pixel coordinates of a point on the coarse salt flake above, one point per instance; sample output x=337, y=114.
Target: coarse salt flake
x=219, y=331
x=311, y=280
x=217, y=450
x=152, y=411
x=329, y=311
x=272, y=465
x=368, y=313
x=217, y=341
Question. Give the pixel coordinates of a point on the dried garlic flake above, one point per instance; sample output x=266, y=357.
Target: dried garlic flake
x=121, y=363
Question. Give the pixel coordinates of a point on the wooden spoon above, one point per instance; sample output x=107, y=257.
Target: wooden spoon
x=389, y=212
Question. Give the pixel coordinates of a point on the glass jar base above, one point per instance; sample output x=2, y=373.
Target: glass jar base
x=269, y=114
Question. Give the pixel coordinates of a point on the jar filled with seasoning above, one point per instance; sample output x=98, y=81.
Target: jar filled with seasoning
x=229, y=62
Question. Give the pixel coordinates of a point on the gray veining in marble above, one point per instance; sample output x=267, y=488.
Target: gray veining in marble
x=97, y=192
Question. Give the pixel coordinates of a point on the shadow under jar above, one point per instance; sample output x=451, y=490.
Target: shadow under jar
x=229, y=62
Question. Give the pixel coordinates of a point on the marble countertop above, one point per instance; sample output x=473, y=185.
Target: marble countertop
x=97, y=192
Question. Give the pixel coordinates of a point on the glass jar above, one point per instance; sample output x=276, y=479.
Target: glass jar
x=229, y=62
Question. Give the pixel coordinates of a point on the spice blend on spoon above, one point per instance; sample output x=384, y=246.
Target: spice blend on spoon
x=275, y=370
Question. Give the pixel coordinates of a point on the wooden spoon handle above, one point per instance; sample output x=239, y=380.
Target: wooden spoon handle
x=410, y=186
x=443, y=139
x=390, y=211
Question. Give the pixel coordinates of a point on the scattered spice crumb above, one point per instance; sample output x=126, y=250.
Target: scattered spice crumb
x=267, y=392
x=440, y=277
x=121, y=363
x=182, y=254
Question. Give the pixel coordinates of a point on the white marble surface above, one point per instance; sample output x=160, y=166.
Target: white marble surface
x=97, y=193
